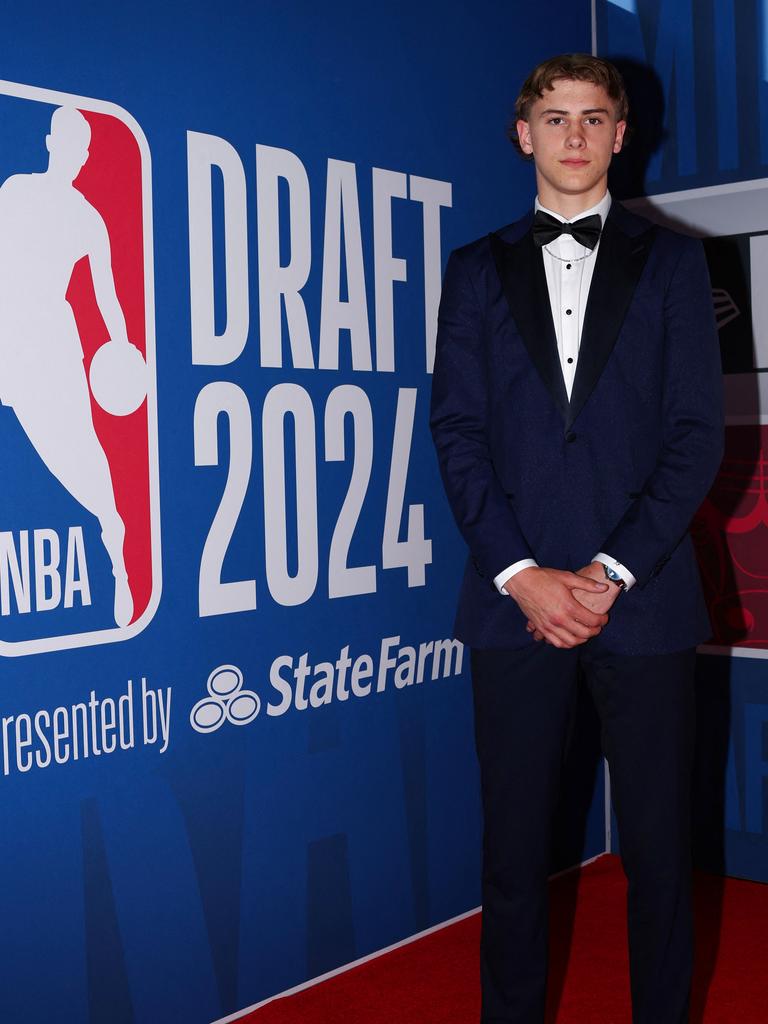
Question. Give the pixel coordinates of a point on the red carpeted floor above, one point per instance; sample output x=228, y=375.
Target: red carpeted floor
x=434, y=980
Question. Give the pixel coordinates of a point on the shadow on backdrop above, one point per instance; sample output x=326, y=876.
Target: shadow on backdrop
x=645, y=129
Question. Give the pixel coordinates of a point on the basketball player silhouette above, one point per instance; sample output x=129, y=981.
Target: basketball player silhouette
x=46, y=226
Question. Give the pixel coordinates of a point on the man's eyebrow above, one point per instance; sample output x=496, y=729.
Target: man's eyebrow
x=564, y=113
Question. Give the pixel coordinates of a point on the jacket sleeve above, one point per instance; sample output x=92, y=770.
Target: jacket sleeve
x=460, y=429
x=692, y=440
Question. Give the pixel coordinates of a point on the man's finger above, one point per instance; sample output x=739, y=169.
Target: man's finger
x=564, y=643
x=583, y=633
x=534, y=630
x=580, y=613
x=585, y=583
x=569, y=628
x=574, y=631
x=593, y=627
x=565, y=636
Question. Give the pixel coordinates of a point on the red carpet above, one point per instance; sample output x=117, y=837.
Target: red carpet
x=434, y=980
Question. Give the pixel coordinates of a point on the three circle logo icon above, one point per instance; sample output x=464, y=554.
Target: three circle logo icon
x=226, y=701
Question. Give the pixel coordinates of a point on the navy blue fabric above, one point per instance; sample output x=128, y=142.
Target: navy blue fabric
x=620, y=468
x=524, y=702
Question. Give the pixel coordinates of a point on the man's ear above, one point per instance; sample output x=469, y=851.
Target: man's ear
x=524, y=136
x=621, y=127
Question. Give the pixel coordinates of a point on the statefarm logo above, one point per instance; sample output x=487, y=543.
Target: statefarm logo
x=79, y=514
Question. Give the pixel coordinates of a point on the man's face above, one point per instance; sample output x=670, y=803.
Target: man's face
x=572, y=134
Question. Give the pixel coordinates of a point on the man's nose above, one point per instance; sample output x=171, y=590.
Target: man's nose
x=575, y=138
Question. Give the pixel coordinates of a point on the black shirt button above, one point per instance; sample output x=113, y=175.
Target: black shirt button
x=570, y=437
x=568, y=312
x=567, y=266
x=569, y=360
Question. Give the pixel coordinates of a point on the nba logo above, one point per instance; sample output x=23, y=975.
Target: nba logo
x=79, y=512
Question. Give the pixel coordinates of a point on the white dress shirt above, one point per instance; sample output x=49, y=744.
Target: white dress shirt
x=569, y=266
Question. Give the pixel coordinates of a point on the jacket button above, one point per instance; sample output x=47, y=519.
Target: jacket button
x=570, y=437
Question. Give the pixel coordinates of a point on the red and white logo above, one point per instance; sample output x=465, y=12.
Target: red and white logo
x=77, y=369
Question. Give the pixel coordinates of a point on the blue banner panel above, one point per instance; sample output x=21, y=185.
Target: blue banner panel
x=699, y=162
x=236, y=731
x=698, y=76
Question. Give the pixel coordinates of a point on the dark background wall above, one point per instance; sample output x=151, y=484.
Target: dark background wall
x=699, y=77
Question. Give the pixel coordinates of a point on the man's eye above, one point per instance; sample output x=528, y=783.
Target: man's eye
x=556, y=120
x=594, y=120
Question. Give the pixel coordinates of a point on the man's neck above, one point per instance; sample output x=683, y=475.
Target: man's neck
x=570, y=206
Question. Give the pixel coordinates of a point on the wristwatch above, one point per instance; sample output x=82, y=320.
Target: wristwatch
x=613, y=576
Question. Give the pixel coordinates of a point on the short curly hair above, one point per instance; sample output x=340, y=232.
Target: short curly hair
x=580, y=67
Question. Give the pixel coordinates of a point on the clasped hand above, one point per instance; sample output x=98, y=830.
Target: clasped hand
x=564, y=608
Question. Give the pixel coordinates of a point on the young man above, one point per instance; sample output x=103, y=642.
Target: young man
x=577, y=417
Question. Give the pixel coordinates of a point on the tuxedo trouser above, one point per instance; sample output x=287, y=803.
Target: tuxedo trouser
x=523, y=705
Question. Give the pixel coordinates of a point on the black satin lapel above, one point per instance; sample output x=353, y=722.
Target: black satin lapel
x=521, y=270
x=620, y=262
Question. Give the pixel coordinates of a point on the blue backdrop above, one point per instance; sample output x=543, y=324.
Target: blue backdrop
x=180, y=843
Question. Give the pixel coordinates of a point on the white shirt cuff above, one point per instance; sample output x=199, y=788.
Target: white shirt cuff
x=512, y=570
x=622, y=570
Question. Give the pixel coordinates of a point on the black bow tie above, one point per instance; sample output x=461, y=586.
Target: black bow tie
x=586, y=231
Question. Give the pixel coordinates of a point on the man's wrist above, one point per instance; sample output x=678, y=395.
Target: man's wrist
x=511, y=571
x=618, y=567
x=612, y=576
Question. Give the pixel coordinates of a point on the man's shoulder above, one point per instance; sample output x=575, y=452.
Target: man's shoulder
x=633, y=221
x=480, y=251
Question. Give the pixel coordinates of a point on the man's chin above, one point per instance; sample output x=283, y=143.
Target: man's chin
x=575, y=184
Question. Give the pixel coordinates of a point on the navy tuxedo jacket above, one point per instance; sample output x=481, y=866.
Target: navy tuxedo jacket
x=621, y=467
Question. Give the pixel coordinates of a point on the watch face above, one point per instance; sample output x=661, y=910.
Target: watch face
x=613, y=576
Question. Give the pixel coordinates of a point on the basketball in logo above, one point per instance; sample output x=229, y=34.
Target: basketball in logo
x=118, y=378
